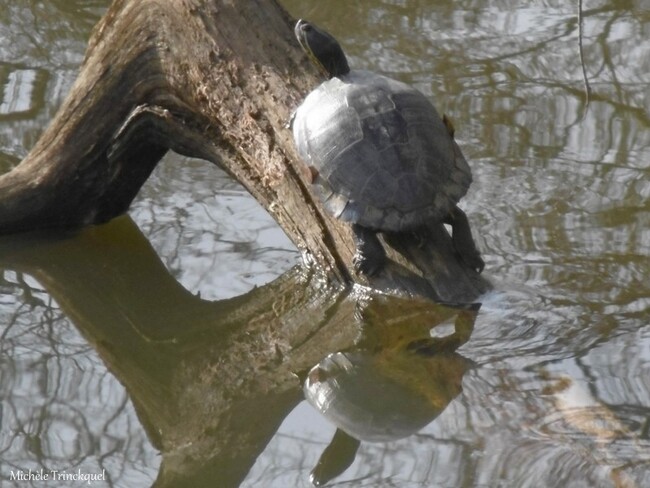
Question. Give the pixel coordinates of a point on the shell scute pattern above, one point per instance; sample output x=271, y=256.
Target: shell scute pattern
x=384, y=156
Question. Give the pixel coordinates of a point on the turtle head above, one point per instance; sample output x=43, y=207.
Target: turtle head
x=323, y=50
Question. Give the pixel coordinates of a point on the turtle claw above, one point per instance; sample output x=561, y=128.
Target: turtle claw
x=370, y=256
x=367, y=266
x=289, y=123
x=473, y=260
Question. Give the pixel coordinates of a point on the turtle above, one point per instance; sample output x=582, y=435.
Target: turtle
x=379, y=155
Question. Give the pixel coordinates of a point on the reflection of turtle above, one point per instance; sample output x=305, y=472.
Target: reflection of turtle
x=394, y=380
x=379, y=153
x=378, y=399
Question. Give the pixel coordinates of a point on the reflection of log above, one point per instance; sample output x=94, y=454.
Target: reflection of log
x=211, y=79
x=197, y=371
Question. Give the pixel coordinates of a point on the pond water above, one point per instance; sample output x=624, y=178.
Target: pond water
x=556, y=374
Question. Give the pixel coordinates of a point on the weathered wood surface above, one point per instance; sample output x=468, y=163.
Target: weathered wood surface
x=210, y=79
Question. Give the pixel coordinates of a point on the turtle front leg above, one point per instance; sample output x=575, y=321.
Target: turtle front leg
x=289, y=123
x=370, y=256
x=462, y=239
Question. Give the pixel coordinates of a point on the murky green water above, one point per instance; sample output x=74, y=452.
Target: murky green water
x=107, y=363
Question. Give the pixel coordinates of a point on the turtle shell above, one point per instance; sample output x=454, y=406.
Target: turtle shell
x=383, y=157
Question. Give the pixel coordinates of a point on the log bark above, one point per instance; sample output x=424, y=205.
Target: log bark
x=216, y=80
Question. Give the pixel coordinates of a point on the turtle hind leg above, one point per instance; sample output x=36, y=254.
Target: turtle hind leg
x=462, y=239
x=370, y=256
